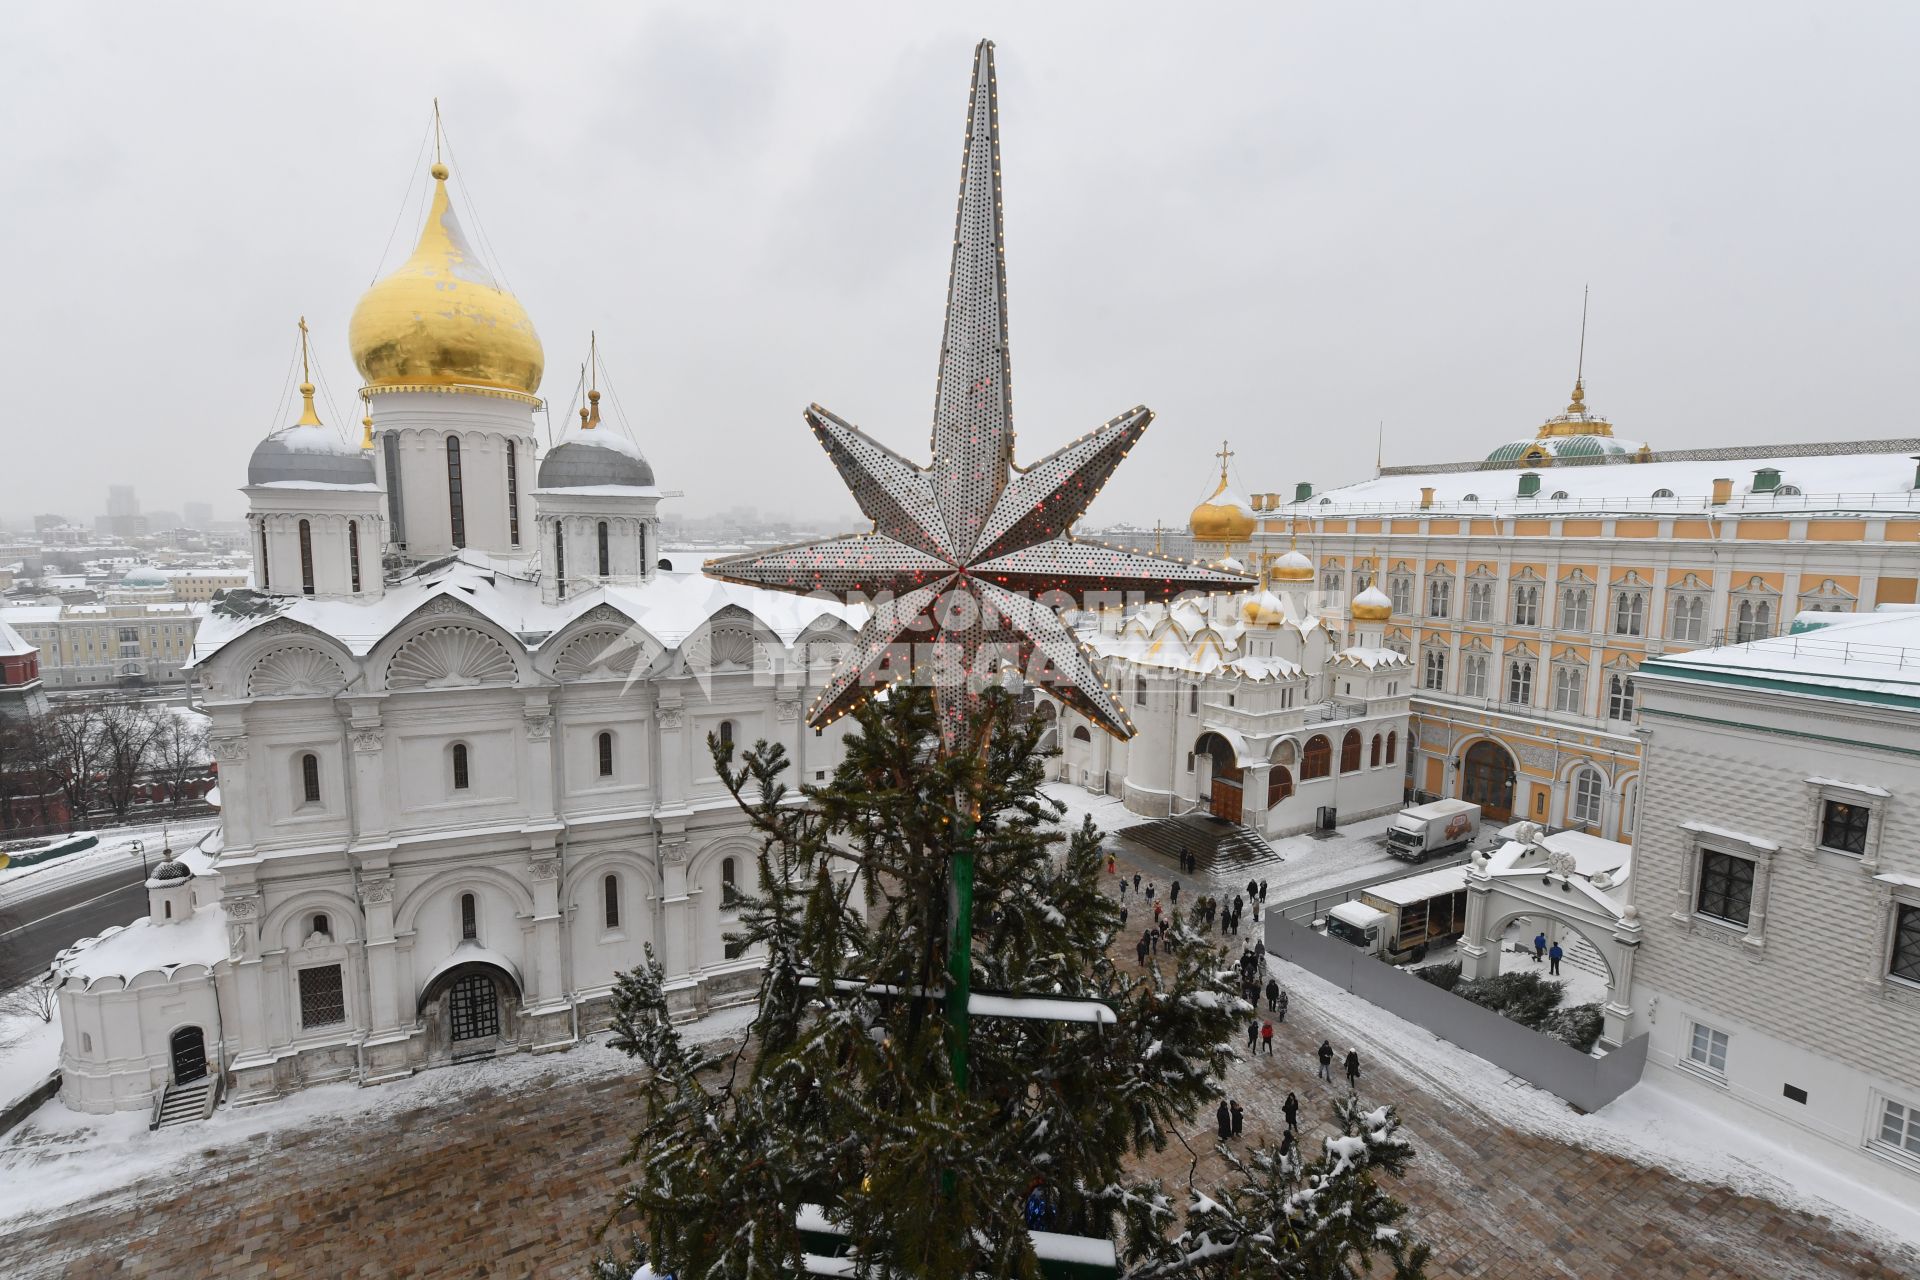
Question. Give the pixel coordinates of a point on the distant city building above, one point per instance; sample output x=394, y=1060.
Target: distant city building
x=102, y=645
x=201, y=585
x=123, y=518
x=21, y=688
x=197, y=515
x=1778, y=880
x=42, y=523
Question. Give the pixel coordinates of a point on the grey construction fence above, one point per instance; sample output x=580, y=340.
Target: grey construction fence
x=1588, y=1083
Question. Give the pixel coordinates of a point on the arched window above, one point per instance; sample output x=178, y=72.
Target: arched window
x=1140, y=691
x=310, y=777
x=1193, y=700
x=1393, y=742
x=1520, y=682
x=1350, y=752
x=1587, y=792
x=168, y=913
x=456, y=502
x=1434, y=672
x=610, y=888
x=1576, y=609
x=513, y=493
x=1473, y=682
x=266, y=578
x=1629, y=613
x=1317, y=760
x=1279, y=785
x=729, y=884
x=322, y=925
x=469, y=918
x=86, y=1042
x=1526, y=606
x=1620, y=698
x=353, y=553
x=605, y=745
x=600, y=537
x=726, y=733
x=1373, y=753
x=460, y=775
x=560, y=558
x=1569, y=689
x=306, y=557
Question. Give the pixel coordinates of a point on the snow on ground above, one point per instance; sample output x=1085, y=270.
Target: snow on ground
x=29, y=1052
x=57, y=1158
x=113, y=853
x=1655, y=1123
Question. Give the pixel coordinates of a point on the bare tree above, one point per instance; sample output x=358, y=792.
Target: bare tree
x=127, y=734
x=24, y=773
x=179, y=755
x=74, y=747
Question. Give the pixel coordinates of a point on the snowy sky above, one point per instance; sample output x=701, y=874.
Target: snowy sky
x=1282, y=224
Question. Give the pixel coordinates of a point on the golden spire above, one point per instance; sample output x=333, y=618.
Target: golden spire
x=439, y=170
x=588, y=421
x=308, y=418
x=366, y=423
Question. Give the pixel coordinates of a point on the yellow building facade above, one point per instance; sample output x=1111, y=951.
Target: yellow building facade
x=1526, y=589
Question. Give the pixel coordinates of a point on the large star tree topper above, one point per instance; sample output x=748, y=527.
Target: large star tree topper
x=970, y=556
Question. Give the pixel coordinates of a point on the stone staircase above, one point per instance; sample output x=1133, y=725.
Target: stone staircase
x=185, y=1103
x=1577, y=952
x=1224, y=849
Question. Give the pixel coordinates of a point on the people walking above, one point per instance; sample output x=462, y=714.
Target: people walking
x=1136, y=880
x=1286, y=1144
x=1266, y=1037
x=1123, y=888
x=1224, y=1118
x=1353, y=1069
x=1123, y=917
x=1253, y=1033
x=1156, y=913
x=1273, y=992
x=1174, y=893
x=1110, y=865
x=1325, y=1054
x=1553, y=958
x=1291, y=1110
x=1253, y=887
x=1259, y=952
x=1539, y=946
x=1263, y=893
x=1149, y=891
x=1239, y=1117
x=1283, y=1007
x=1140, y=949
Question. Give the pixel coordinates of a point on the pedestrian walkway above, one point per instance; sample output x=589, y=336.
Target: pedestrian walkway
x=1223, y=849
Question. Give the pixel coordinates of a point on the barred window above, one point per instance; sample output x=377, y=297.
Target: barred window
x=600, y=535
x=353, y=552
x=306, y=557
x=469, y=918
x=1843, y=826
x=323, y=998
x=456, y=501
x=1905, y=960
x=513, y=494
x=611, y=888
x=461, y=777
x=310, y=777
x=729, y=885
x=1726, y=887
x=605, y=745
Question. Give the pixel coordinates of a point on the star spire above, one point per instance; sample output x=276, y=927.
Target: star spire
x=969, y=556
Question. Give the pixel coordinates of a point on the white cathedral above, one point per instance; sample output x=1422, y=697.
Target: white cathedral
x=461, y=731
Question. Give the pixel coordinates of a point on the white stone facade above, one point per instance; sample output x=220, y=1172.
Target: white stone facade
x=1769, y=970
x=1253, y=708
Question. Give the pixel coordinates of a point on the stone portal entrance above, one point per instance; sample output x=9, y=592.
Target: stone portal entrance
x=473, y=1007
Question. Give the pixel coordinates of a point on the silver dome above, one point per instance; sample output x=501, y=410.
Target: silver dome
x=274, y=461
x=581, y=464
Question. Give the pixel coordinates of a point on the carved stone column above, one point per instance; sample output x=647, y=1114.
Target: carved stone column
x=1617, y=1013
x=390, y=1009
x=678, y=921
x=670, y=719
x=253, y=1069
x=548, y=978
x=1479, y=953
x=229, y=748
x=1253, y=796
x=540, y=788
x=368, y=742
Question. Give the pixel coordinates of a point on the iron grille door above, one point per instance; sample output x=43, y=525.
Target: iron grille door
x=475, y=1007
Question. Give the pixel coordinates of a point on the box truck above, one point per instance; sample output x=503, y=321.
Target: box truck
x=1417, y=833
x=1401, y=919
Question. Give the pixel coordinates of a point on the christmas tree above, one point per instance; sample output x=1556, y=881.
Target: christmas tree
x=841, y=1126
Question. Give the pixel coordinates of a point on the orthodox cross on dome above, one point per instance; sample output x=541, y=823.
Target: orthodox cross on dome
x=970, y=555
x=1224, y=455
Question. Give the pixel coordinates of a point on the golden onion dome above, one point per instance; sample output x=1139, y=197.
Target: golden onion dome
x=440, y=320
x=1223, y=517
x=1263, y=609
x=1372, y=605
x=1293, y=567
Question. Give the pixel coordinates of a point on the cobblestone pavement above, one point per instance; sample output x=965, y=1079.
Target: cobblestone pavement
x=513, y=1182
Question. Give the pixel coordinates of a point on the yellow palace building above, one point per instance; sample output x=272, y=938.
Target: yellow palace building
x=1528, y=587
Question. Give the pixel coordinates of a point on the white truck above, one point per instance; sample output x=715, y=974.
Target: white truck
x=1417, y=833
x=1400, y=919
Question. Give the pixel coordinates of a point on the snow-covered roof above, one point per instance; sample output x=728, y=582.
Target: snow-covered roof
x=1864, y=481
x=146, y=947
x=1873, y=657
x=1428, y=884
x=11, y=645
x=1372, y=658
x=669, y=608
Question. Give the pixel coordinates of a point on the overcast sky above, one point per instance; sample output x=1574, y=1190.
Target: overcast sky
x=1280, y=224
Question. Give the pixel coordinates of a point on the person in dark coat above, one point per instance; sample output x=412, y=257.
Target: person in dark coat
x=1291, y=1110
x=1223, y=1118
x=1253, y=887
x=1273, y=988
x=1553, y=958
x=1239, y=903
x=1136, y=880
x=1283, y=1008
x=1174, y=894
x=1266, y=1037
x=1253, y=1033
x=1539, y=946
x=1123, y=888
x=1149, y=891
x=1238, y=1118
x=1263, y=891
x=1325, y=1054
x=1286, y=1143
x=1259, y=952
x=1123, y=917
x=1140, y=949
x=1353, y=1068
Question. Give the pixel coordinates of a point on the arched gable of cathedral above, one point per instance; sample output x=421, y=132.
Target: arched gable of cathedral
x=445, y=644
x=601, y=644
x=279, y=659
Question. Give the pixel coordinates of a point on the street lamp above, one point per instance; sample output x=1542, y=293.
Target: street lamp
x=140, y=848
